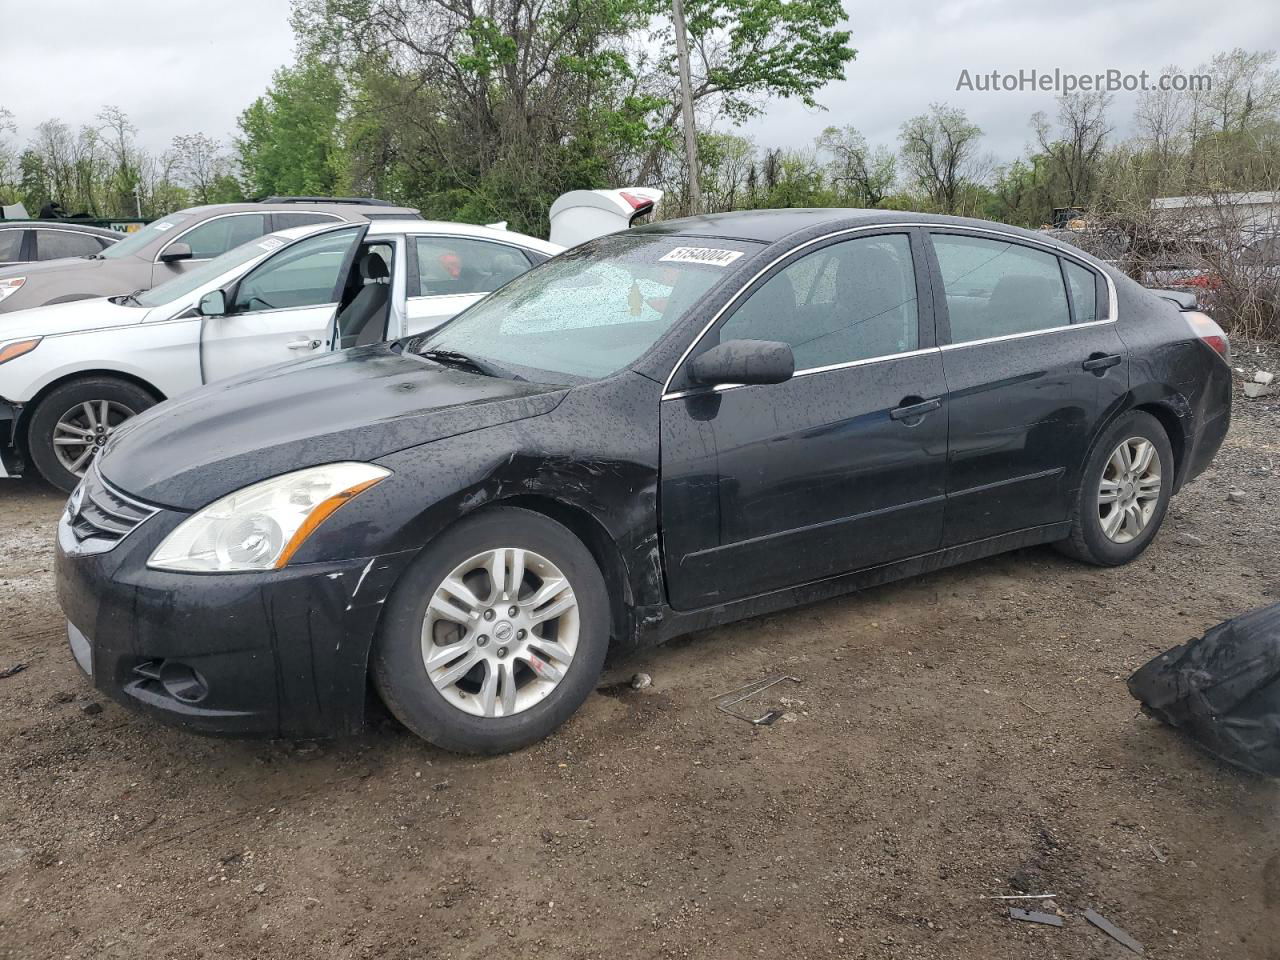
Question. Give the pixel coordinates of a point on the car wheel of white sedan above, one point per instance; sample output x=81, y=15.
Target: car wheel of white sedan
x=71, y=425
x=495, y=635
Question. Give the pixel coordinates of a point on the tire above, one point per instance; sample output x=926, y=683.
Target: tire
x=453, y=716
x=1089, y=540
x=121, y=397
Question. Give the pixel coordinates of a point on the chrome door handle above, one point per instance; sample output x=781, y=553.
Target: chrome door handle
x=1099, y=362
x=913, y=408
x=304, y=343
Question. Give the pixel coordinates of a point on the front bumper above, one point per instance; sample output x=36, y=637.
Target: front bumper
x=281, y=653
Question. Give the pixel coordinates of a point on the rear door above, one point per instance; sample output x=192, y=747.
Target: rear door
x=281, y=310
x=840, y=468
x=1032, y=362
x=447, y=274
x=13, y=246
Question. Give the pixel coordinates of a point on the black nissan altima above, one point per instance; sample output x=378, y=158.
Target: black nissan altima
x=658, y=431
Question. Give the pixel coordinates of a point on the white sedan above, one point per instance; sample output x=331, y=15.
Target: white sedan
x=71, y=373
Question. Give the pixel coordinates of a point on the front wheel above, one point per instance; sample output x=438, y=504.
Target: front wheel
x=72, y=424
x=1124, y=492
x=495, y=635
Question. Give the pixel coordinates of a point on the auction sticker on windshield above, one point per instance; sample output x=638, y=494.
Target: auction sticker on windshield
x=708, y=255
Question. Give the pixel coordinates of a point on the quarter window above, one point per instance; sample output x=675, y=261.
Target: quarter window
x=995, y=288
x=301, y=219
x=54, y=244
x=1084, y=291
x=10, y=245
x=853, y=300
x=449, y=265
x=216, y=237
x=302, y=275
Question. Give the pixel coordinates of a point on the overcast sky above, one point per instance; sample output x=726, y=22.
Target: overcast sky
x=176, y=66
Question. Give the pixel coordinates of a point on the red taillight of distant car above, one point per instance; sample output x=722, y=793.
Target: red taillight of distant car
x=1212, y=334
x=1205, y=281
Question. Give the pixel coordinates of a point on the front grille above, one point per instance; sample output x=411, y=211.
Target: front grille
x=102, y=513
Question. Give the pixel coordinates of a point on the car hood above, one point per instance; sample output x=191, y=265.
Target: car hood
x=69, y=317
x=354, y=405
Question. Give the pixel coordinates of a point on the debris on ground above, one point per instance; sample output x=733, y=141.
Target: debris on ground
x=1020, y=896
x=1236, y=496
x=1260, y=385
x=10, y=671
x=1034, y=916
x=640, y=681
x=1222, y=690
x=91, y=709
x=726, y=702
x=1112, y=931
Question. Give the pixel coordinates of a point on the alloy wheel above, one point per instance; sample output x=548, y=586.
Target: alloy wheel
x=82, y=432
x=500, y=632
x=1129, y=489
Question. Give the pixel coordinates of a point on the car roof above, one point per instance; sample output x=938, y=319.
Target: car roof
x=380, y=227
x=304, y=206
x=66, y=225
x=769, y=226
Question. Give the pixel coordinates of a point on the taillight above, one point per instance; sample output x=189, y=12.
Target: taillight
x=1206, y=281
x=637, y=203
x=1208, y=331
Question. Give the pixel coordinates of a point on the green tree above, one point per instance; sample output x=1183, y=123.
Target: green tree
x=290, y=138
x=939, y=152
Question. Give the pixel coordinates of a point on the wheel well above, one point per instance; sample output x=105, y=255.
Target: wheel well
x=1172, y=429
x=603, y=550
x=20, y=434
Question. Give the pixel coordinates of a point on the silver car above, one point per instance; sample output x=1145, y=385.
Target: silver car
x=168, y=247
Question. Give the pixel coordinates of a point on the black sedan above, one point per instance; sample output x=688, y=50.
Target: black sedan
x=659, y=431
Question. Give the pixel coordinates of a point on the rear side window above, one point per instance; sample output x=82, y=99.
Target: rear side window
x=450, y=265
x=995, y=288
x=1084, y=291
x=302, y=219
x=216, y=237
x=52, y=244
x=853, y=300
x=10, y=245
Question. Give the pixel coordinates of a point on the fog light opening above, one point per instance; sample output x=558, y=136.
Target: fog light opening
x=182, y=682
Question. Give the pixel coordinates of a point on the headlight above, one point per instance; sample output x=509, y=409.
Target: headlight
x=11, y=286
x=263, y=525
x=16, y=348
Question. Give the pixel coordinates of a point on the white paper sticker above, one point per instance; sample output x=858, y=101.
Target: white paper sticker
x=163, y=225
x=270, y=243
x=706, y=255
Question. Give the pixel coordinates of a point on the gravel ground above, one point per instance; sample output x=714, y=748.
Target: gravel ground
x=961, y=734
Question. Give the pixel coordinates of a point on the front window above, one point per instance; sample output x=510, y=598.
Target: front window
x=135, y=242
x=215, y=237
x=191, y=280
x=592, y=310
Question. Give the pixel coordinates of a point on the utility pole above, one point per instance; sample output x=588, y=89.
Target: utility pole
x=686, y=97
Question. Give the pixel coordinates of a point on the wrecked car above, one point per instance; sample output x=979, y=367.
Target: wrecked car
x=653, y=433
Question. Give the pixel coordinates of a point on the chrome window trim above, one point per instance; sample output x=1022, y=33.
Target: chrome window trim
x=1024, y=334
x=808, y=371
x=890, y=227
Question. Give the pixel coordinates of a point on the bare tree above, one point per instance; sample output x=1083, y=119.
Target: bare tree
x=863, y=174
x=939, y=152
x=1075, y=148
x=197, y=162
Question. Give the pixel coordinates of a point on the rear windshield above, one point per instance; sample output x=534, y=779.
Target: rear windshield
x=592, y=310
x=210, y=270
x=139, y=239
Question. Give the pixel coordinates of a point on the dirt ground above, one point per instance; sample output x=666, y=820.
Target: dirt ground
x=962, y=734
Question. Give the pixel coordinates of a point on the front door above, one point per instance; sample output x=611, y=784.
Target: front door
x=1032, y=364
x=840, y=468
x=208, y=240
x=282, y=309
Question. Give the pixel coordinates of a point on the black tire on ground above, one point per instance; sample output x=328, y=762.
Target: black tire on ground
x=397, y=667
x=1087, y=540
x=64, y=398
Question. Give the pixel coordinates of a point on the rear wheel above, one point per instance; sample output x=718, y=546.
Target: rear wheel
x=495, y=635
x=72, y=424
x=1124, y=493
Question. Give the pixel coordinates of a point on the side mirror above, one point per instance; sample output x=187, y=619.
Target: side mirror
x=743, y=361
x=213, y=304
x=176, y=251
